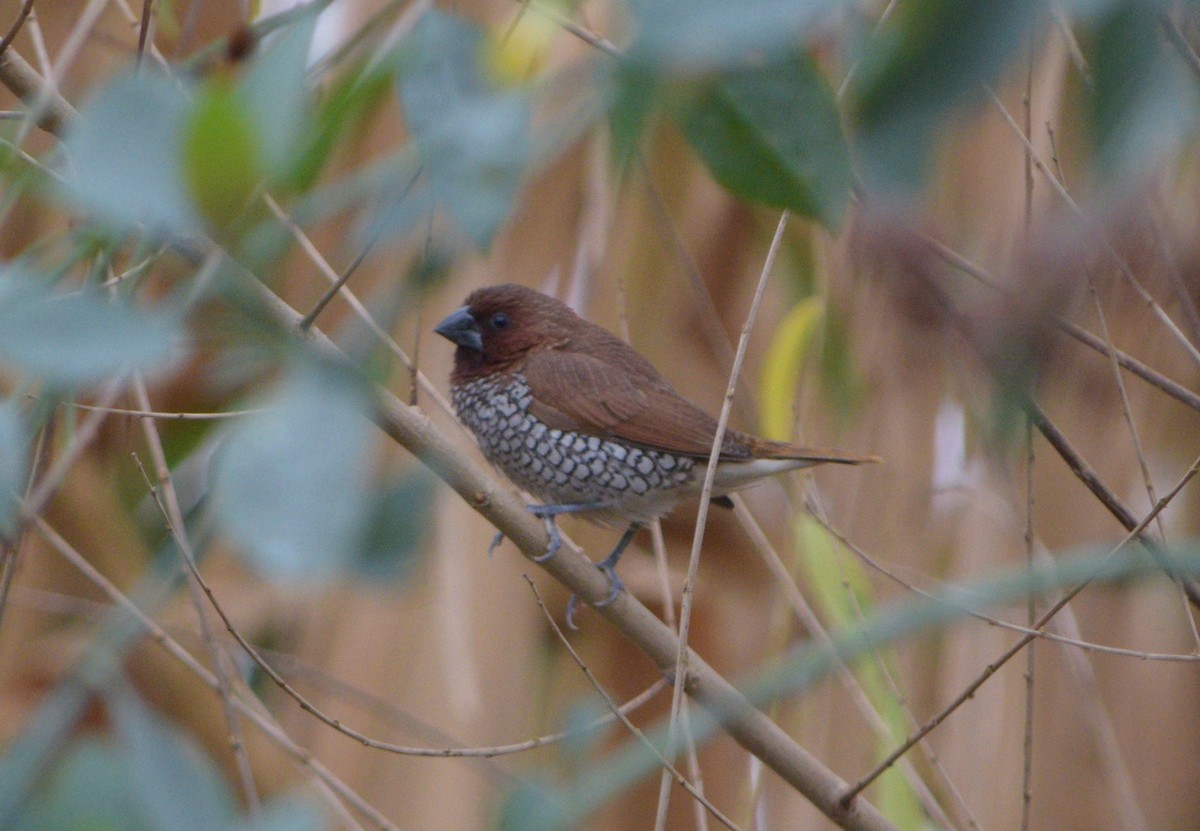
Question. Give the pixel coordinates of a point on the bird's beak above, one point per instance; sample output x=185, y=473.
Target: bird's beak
x=462, y=329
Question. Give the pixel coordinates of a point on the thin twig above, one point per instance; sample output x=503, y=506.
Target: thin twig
x=11, y=34
x=157, y=634
x=173, y=416
x=785, y=582
x=970, y=690
x=710, y=472
x=1175, y=390
x=162, y=490
x=629, y=725
x=10, y=549
x=143, y=30
x=1123, y=266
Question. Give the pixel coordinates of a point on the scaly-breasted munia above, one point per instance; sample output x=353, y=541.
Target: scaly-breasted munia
x=580, y=420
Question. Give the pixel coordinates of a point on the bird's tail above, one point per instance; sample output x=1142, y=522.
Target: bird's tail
x=764, y=449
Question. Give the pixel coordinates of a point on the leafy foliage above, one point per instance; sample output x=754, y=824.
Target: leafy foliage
x=473, y=139
x=163, y=176
x=79, y=338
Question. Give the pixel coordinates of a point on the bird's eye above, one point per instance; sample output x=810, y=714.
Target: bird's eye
x=499, y=320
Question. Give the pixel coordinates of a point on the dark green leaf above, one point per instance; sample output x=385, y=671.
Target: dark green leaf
x=14, y=461
x=79, y=338
x=931, y=57
x=396, y=522
x=771, y=134
x=291, y=482
x=222, y=155
x=178, y=787
x=636, y=88
x=124, y=155
x=472, y=138
x=1142, y=102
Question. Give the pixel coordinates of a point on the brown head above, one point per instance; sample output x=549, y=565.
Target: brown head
x=501, y=326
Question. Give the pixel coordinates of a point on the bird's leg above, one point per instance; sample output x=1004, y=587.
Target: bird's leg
x=548, y=514
x=609, y=566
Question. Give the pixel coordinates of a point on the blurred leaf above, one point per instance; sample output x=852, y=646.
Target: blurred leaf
x=782, y=367
x=286, y=814
x=291, y=481
x=1142, y=101
x=472, y=138
x=581, y=739
x=221, y=153
x=534, y=806
x=89, y=788
x=771, y=134
x=929, y=58
x=176, y=784
x=79, y=338
x=844, y=596
x=14, y=461
x=514, y=54
x=275, y=93
x=350, y=99
x=704, y=34
x=635, y=89
x=124, y=155
x=542, y=807
x=840, y=380
x=396, y=520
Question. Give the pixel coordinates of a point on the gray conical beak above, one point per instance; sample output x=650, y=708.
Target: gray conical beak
x=462, y=329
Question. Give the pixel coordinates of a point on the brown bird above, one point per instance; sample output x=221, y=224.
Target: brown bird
x=580, y=420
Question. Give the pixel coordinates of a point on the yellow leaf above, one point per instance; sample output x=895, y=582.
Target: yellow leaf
x=784, y=361
x=514, y=55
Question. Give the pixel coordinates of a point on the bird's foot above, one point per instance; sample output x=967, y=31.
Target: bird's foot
x=609, y=567
x=496, y=540
x=548, y=513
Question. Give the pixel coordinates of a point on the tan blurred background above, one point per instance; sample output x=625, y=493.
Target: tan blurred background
x=460, y=655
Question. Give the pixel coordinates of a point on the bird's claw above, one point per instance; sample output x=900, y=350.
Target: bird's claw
x=496, y=540
x=616, y=586
x=552, y=530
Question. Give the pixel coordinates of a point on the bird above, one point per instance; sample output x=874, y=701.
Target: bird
x=584, y=423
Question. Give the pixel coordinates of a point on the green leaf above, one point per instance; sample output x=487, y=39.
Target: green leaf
x=222, y=155
x=275, y=94
x=704, y=34
x=14, y=461
x=350, y=100
x=124, y=155
x=636, y=87
x=395, y=525
x=291, y=482
x=289, y=813
x=178, y=787
x=1142, y=102
x=79, y=338
x=473, y=139
x=771, y=134
x=931, y=57
x=89, y=788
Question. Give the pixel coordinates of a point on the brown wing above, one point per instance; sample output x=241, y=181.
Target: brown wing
x=576, y=391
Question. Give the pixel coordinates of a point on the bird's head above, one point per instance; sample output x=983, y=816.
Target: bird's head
x=501, y=325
